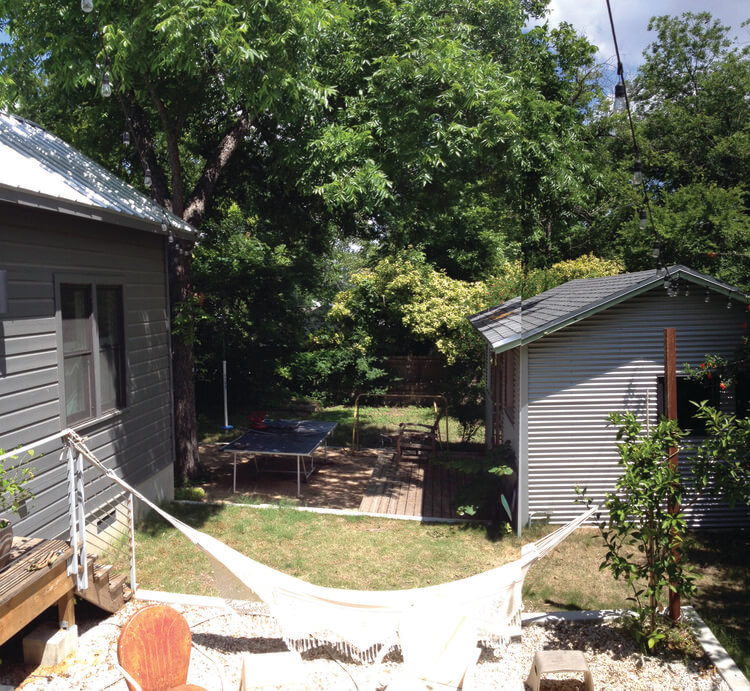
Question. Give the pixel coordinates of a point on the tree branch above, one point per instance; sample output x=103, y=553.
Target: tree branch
x=195, y=208
x=143, y=143
x=173, y=151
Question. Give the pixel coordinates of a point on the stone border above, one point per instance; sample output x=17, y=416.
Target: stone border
x=719, y=657
x=727, y=667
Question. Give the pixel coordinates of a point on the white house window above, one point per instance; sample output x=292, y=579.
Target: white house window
x=93, y=349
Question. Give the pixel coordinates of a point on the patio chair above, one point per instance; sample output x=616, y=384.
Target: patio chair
x=416, y=440
x=153, y=651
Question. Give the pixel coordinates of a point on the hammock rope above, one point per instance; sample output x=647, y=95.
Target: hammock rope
x=424, y=622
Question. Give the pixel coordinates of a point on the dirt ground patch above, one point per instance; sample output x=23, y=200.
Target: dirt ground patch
x=339, y=481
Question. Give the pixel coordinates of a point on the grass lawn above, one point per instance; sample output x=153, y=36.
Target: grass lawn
x=342, y=552
x=374, y=554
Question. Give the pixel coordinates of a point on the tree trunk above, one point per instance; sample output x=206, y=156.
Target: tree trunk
x=186, y=437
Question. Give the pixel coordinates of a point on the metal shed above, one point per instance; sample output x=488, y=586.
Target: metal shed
x=559, y=362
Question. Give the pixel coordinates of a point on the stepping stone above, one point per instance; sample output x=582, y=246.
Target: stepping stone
x=551, y=661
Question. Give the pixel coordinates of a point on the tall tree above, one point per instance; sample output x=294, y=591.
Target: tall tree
x=693, y=123
x=192, y=81
x=440, y=124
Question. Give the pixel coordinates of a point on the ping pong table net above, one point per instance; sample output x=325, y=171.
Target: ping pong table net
x=484, y=608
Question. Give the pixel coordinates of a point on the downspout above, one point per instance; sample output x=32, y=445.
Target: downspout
x=488, y=421
x=168, y=294
x=523, y=439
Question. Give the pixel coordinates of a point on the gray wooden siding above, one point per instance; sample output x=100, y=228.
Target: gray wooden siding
x=611, y=362
x=35, y=247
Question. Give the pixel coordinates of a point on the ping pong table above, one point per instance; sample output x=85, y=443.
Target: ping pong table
x=298, y=438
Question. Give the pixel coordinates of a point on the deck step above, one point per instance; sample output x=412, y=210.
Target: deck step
x=101, y=571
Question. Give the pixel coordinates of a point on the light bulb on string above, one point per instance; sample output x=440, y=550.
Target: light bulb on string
x=106, y=86
x=619, y=106
x=655, y=249
x=126, y=138
x=637, y=173
x=642, y=220
x=164, y=226
x=687, y=290
x=147, y=177
x=729, y=302
x=708, y=296
x=87, y=5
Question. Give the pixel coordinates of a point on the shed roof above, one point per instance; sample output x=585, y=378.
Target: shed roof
x=41, y=170
x=515, y=323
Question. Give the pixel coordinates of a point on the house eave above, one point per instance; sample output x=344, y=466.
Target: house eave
x=659, y=277
x=40, y=201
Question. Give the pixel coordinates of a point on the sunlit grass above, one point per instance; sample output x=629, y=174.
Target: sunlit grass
x=343, y=552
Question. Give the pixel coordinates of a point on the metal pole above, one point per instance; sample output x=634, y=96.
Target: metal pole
x=226, y=426
x=670, y=400
x=72, y=524
x=83, y=575
x=131, y=511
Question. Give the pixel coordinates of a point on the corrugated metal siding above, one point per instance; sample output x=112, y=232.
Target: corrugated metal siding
x=34, y=247
x=611, y=362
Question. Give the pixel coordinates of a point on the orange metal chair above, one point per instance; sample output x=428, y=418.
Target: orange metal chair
x=153, y=650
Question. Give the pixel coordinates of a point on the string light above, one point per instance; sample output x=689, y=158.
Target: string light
x=687, y=290
x=87, y=5
x=126, y=138
x=106, y=86
x=655, y=249
x=623, y=104
x=729, y=301
x=620, y=104
x=147, y=178
x=637, y=173
x=708, y=296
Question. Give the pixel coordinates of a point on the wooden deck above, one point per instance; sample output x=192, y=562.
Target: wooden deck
x=410, y=488
x=35, y=578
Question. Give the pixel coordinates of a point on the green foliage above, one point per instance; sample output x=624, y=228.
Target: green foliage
x=645, y=528
x=640, y=519
x=14, y=479
x=486, y=482
x=190, y=493
x=693, y=121
x=720, y=466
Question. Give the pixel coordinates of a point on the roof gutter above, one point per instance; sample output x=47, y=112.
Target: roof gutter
x=44, y=202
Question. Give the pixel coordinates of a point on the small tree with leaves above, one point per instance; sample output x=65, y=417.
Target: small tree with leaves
x=642, y=533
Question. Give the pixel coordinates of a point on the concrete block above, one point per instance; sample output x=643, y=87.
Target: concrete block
x=49, y=645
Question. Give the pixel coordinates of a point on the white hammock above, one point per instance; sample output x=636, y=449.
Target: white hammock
x=426, y=622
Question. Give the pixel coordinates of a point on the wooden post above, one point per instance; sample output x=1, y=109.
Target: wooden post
x=670, y=406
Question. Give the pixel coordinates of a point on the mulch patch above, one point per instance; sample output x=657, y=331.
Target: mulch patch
x=339, y=482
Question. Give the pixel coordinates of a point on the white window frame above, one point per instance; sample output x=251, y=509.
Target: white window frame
x=92, y=281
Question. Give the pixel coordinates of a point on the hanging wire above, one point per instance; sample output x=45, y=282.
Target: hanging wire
x=639, y=178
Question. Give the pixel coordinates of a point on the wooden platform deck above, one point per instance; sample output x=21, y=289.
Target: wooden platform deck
x=410, y=488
